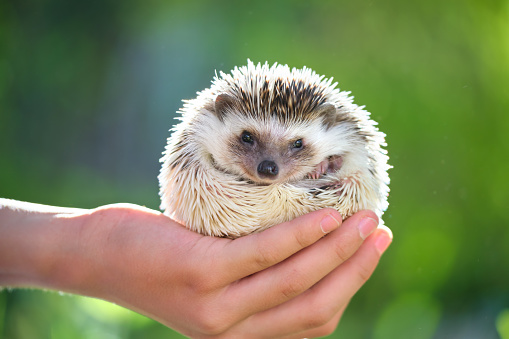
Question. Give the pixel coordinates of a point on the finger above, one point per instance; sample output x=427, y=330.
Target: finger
x=304, y=269
x=250, y=254
x=320, y=331
x=318, y=306
x=323, y=330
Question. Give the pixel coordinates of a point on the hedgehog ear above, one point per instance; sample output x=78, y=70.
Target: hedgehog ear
x=328, y=114
x=224, y=103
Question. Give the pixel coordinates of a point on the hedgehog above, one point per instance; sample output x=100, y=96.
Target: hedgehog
x=266, y=144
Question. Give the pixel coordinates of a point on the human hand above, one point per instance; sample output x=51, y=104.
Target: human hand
x=288, y=281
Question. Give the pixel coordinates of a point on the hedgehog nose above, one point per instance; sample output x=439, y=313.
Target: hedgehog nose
x=268, y=168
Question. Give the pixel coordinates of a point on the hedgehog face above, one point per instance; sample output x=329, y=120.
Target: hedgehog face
x=267, y=151
x=275, y=129
x=269, y=155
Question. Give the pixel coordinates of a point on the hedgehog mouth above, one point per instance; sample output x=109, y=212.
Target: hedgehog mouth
x=330, y=165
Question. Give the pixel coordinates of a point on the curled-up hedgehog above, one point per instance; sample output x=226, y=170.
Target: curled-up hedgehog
x=264, y=145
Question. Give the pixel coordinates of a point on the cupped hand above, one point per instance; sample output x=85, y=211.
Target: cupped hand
x=288, y=281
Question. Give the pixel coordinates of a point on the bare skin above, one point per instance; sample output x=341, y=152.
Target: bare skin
x=288, y=281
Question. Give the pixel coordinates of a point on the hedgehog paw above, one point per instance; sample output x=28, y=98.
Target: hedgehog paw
x=329, y=165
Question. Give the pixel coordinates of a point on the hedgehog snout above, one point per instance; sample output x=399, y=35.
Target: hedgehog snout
x=268, y=169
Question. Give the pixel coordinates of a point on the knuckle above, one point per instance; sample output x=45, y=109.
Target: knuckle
x=293, y=284
x=325, y=330
x=302, y=238
x=202, y=279
x=211, y=322
x=266, y=255
x=363, y=273
x=202, y=284
x=319, y=318
x=341, y=254
x=203, y=274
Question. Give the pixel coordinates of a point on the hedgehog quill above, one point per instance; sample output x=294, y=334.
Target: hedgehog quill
x=266, y=144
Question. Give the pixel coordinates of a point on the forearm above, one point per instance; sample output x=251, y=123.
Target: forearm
x=35, y=242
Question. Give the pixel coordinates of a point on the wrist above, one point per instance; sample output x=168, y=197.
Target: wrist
x=37, y=244
x=65, y=265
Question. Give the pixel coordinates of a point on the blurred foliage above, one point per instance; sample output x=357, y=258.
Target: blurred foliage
x=88, y=91
x=503, y=324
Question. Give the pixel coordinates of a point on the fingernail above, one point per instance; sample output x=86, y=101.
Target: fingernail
x=384, y=240
x=367, y=226
x=329, y=224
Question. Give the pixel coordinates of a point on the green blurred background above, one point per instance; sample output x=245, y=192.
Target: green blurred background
x=88, y=91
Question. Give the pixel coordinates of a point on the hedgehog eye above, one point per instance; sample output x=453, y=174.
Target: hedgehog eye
x=247, y=137
x=297, y=144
